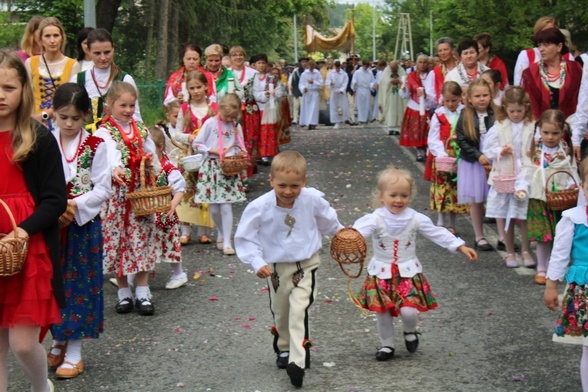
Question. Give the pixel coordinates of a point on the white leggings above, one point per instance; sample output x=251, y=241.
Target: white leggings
x=222, y=215
x=385, y=324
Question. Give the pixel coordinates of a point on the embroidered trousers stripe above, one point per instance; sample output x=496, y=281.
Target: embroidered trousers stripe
x=289, y=305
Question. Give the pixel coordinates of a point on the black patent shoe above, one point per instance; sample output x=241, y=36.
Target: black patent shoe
x=125, y=305
x=144, y=307
x=282, y=360
x=385, y=356
x=412, y=346
x=296, y=374
x=483, y=247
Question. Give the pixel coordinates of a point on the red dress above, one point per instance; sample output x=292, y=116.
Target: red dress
x=25, y=298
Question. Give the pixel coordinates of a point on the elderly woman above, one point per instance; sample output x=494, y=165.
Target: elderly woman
x=447, y=62
x=50, y=69
x=469, y=68
x=176, y=84
x=552, y=82
x=225, y=79
x=492, y=61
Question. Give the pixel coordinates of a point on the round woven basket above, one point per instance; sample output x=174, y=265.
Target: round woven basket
x=234, y=164
x=564, y=199
x=349, y=247
x=147, y=201
x=13, y=251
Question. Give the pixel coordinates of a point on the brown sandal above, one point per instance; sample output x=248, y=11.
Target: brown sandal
x=73, y=372
x=55, y=360
x=204, y=239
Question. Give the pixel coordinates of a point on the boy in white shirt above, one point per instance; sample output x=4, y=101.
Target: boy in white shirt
x=279, y=235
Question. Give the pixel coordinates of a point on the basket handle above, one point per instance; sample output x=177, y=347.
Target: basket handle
x=514, y=165
x=142, y=171
x=14, y=227
x=554, y=173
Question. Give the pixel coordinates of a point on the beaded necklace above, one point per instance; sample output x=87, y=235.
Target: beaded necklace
x=77, y=151
x=545, y=75
x=465, y=75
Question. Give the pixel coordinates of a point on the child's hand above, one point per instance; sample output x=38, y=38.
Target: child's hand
x=21, y=234
x=264, y=272
x=521, y=194
x=180, y=96
x=118, y=175
x=483, y=160
x=506, y=150
x=550, y=296
x=468, y=252
x=191, y=138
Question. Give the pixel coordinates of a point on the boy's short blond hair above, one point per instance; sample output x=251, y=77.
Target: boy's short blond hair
x=289, y=162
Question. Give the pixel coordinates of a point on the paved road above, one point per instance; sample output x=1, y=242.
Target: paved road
x=490, y=330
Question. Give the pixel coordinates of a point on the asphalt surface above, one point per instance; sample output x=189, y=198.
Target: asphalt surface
x=491, y=331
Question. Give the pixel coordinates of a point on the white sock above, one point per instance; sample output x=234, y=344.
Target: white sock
x=74, y=353
x=410, y=320
x=203, y=230
x=125, y=293
x=143, y=292
x=186, y=229
x=57, y=351
x=176, y=269
x=385, y=324
x=227, y=218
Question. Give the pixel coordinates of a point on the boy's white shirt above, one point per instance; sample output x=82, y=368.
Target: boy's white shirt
x=263, y=236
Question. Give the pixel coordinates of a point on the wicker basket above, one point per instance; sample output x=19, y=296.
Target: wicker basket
x=234, y=164
x=13, y=252
x=446, y=164
x=505, y=183
x=147, y=201
x=349, y=247
x=564, y=199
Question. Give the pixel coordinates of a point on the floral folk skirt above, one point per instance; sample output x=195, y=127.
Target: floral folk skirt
x=444, y=194
x=390, y=295
x=414, y=130
x=214, y=187
x=541, y=221
x=572, y=325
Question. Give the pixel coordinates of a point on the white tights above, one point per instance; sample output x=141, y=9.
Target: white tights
x=30, y=354
x=543, y=255
x=222, y=215
x=385, y=324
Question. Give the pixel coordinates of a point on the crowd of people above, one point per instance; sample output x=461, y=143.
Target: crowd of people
x=77, y=150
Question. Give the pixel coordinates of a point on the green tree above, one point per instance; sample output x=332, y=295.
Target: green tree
x=364, y=17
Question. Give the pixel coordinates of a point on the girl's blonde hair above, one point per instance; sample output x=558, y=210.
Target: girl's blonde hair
x=391, y=175
x=230, y=105
x=236, y=50
x=52, y=21
x=557, y=119
x=469, y=125
x=544, y=21
x=24, y=134
x=118, y=88
x=518, y=96
x=27, y=43
x=175, y=104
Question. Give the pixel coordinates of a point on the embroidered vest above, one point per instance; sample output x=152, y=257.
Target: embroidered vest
x=98, y=103
x=400, y=250
x=82, y=181
x=578, y=271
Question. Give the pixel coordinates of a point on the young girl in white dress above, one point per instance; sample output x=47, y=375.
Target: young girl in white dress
x=218, y=136
x=504, y=147
x=395, y=285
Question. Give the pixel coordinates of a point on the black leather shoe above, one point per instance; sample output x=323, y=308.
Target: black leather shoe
x=296, y=374
x=125, y=305
x=501, y=246
x=282, y=361
x=145, y=307
x=412, y=346
x=483, y=247
x=383, y=355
